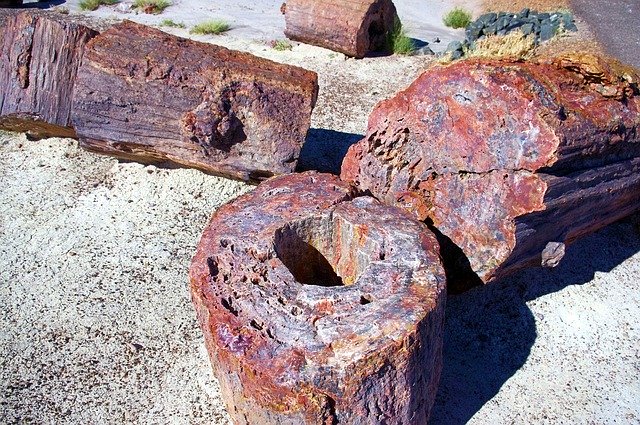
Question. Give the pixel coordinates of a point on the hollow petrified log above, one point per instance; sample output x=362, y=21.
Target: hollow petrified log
x=318, y=308
x=39, y=58
x=149, y=96
x=353, y=27
x=509, y=161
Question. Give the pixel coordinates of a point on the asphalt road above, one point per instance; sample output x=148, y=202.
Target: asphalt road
x=616, y=24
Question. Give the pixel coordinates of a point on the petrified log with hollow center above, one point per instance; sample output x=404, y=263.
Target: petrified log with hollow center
x=510, y=161
x=353, y=27
x=39, y=58
x=318, y=308
x=149, y=96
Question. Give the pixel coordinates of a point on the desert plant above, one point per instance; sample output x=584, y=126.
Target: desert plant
x=172, y=24
x=401, y=44
x=513, y=45
x=281, y=45
x=152, y=6
x=211, y=27
x=94, y=4
x=457, y=18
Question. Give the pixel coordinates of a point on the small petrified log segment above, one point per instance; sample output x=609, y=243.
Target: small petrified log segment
x=504, y=158
x=39, y=58
x=149, y=96
x=353, y=27
x=318, y=308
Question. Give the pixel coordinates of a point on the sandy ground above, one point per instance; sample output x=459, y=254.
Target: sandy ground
x=97, y=326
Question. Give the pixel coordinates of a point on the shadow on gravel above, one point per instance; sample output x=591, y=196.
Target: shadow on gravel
x=324, y=150
x=489, y=330
x=41, y=4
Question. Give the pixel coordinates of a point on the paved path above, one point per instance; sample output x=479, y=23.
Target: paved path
x=616, y=24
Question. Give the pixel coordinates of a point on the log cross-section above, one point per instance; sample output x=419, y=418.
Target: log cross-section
x=149, y=96
x=353, y=27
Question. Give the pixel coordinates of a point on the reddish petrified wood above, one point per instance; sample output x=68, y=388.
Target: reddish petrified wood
x=149, y=96
x=353, y=27
x=318, y=308
x=39, y=58
x=508, y=160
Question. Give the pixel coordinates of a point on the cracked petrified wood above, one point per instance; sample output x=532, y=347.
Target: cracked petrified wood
x=509, y=161
x=353, y=27
x=318, y=308
x=149, y=96
x=39, y=58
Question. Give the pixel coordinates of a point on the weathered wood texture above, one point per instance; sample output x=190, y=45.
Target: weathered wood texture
x=318, y=308
x=39, y=60
x=149, y=96
x=353, y=27
x=506, y=158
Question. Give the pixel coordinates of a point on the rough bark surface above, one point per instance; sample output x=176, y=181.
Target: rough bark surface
x=149, y=96
x=320, y=308
x=39, y=58
x=505, y=158
x=353, y=27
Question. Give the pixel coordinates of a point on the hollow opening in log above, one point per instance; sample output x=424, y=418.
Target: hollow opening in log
x=303, y=260
x=377, y=36
x=325, y=251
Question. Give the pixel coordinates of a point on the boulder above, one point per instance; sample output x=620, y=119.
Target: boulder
x=39, y=60
x=506, y=158
x=319, y=307
x=149, y=96
x=353, y=27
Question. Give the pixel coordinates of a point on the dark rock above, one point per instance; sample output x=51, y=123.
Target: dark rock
x=524, y=13
x=424, y=51
x=473, y=33
x=487, y=18
x=457, y=54
x=148, y=96
x=503, y=172
x=514, y=24
x=454, y=45
x=489, y=30
x=318, y=308
x=548, y=30
x=568, y=22
x=543, y=16
x=39, y=58
x=527, y=29
x=353, y=28
x=502, y=23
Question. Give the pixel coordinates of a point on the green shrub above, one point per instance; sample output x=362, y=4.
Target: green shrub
x=172, y=24
x=211, y=27
x=401, y=44
x=94, y=4
x=281, y=45
x=457, y=18
x=151, y=6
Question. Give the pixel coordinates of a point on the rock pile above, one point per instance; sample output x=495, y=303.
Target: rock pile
x=542, y=25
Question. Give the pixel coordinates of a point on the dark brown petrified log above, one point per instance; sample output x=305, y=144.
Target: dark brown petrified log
x=320, y=308
x=509, y=161
x=149, y=96
x=353, y=27
x=39, y=58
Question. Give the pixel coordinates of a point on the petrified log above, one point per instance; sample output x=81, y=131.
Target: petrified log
x=149, y=96
x=39, y=60
x=318, y=308
x=353, y=27
x=508, y=160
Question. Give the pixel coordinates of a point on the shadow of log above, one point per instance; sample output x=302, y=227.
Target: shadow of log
x=490, y=330
x=324, y=150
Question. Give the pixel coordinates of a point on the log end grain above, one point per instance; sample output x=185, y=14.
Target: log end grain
x=41, y=53
x=318, y=307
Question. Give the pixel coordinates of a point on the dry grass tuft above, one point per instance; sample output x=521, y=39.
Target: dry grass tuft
x=518, y=5
x=514, y=45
